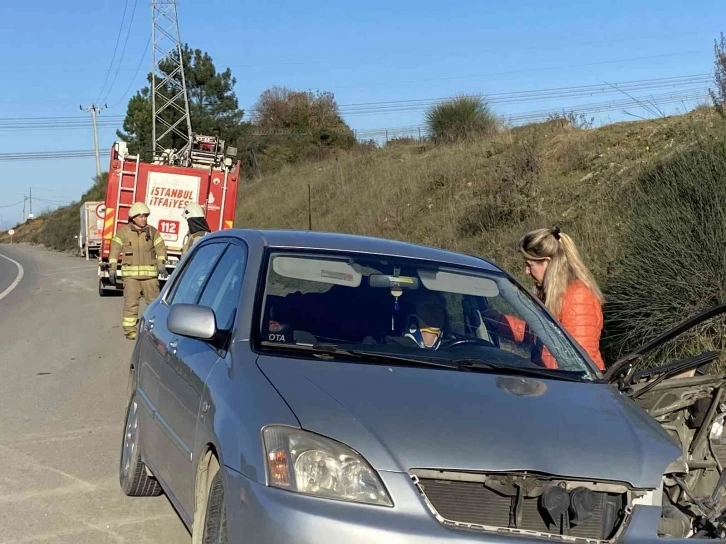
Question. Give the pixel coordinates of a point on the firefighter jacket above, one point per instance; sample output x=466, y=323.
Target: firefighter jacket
x=141, y=251
x=189, y=240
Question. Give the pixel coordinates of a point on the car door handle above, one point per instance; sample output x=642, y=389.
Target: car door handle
x=150, y=322
x=173, y=344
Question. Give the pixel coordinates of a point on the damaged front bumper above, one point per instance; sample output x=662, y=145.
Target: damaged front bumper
x=265, y=515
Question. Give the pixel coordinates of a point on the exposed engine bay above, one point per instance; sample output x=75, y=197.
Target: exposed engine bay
x=690, y=404
x=529, y=504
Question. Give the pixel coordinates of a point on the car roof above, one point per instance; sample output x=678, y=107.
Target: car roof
x=314, y=240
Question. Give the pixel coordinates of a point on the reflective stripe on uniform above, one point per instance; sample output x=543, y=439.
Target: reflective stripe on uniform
x=113, y=261
x=129, y=321
x=158, y=240
x=142, y=270
x=117, y=240
x=161, y=258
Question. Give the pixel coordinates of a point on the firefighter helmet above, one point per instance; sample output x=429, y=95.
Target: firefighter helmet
x=193, y=210
x=137, y=209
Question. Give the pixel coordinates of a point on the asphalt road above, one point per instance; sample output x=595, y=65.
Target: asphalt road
x=63, y=373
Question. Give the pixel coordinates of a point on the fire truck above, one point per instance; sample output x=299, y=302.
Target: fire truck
x=208, y=175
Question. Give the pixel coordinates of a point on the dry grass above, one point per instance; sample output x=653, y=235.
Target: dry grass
x=478, y=197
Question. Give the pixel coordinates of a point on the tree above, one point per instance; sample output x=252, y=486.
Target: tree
x=719, y=77
x=213, y=105
x=460, y=118
x=280, y=108
x=293, y=126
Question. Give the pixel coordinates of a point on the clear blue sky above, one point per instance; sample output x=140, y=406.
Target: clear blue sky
x=57, y=56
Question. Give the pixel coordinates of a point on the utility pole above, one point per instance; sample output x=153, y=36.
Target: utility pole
x=31, y=201
x=95, y=110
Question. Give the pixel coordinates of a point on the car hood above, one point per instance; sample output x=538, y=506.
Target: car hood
x=403, y=418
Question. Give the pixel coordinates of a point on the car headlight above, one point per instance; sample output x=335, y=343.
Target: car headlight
x=311, y=464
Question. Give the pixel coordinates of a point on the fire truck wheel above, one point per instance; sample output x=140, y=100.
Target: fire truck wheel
x=101, y=291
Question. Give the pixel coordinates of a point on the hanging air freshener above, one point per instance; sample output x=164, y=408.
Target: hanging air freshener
x=396, y=292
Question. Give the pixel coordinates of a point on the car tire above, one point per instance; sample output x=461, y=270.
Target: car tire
x=134, y=477
x=215, y=519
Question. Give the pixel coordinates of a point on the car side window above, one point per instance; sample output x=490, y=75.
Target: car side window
x=188, y=287
x=223, y=290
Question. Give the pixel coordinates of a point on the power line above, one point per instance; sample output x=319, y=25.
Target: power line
x=113, y=58
x=54, y=202
x=687, y=94
x=123, y=52
x=133, y=79
x=363, y=108
x=61, y=118
x=597, y=107
x=402, y=106
x=11, y=205
x=516, y=72
x=49, y=155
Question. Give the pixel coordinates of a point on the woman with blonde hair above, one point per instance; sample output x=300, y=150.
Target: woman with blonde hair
x=566, y=287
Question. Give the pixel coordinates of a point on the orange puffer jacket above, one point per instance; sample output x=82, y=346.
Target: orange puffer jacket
x=581, y=316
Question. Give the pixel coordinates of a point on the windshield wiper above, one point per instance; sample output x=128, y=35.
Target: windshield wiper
x=331, y=350
x=550, y=374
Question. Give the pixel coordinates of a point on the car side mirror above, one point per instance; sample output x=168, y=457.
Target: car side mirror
x=192, y=321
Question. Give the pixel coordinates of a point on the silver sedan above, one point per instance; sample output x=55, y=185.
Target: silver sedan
x=298, y=387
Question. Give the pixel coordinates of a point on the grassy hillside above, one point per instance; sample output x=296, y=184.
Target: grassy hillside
x=480, y=197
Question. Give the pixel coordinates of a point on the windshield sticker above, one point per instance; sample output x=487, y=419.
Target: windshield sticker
x=336, y=275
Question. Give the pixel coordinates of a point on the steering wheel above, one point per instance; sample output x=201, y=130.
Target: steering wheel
x=456, y=342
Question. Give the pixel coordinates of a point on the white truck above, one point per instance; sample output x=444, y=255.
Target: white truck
x=91, y=233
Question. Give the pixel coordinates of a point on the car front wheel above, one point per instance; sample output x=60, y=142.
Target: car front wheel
x=215, y=526
x=134, y=477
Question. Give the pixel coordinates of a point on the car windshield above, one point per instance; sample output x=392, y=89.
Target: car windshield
x=380, y=306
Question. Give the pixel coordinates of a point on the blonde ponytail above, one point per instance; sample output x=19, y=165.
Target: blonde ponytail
x=566, y=265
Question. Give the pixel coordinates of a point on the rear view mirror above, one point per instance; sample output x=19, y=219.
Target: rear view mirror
x=192, y=321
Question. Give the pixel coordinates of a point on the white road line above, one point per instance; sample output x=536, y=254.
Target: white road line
x=18, y=279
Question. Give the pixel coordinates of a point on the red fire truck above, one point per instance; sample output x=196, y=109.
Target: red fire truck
x=210, y=179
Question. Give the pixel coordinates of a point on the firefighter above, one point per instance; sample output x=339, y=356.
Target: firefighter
x=198, y=227
x=144, y=258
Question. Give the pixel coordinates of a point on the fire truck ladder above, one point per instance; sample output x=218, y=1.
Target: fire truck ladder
x=127, y=182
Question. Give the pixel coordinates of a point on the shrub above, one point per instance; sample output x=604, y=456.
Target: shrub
x=719, y=77
x=460, y=118
x=673, y=256
x=571, y=120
